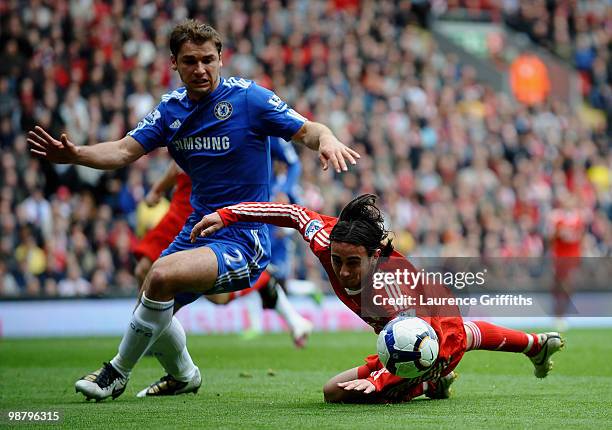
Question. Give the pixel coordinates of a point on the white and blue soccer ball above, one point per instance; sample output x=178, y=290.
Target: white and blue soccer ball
x=407, y=346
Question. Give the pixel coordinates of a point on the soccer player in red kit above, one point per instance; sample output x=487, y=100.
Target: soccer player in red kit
x=159, y=237
x=567, y=227
x=350, y=248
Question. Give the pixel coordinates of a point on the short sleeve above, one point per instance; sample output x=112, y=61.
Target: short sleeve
x=271, y=116
x=150, y=130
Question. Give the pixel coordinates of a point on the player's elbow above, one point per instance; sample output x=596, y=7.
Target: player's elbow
x=332, y=393
x=128, y=150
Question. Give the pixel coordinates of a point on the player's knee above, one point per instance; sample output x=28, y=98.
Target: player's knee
x=158, y=280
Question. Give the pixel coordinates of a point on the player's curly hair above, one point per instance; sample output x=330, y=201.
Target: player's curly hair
x=361, y=223
x=196, y=32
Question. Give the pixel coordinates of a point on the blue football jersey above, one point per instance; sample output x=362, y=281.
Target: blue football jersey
x=280, y=238
x=221, y=141
x=284, y=152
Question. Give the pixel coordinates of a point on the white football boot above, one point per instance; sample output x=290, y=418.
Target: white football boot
x=300, y=332
x=169, y=386
x=101, y=384
x=549, y=344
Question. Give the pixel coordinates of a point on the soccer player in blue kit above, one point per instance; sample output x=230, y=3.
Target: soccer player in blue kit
x=216, y=130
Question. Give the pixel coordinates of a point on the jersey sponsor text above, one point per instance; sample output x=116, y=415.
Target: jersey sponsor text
x=196, y=143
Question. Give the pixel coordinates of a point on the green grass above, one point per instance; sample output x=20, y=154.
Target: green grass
x=495, y=389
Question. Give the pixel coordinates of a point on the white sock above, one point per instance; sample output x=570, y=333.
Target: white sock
x=286, y=310
x=148, y=321
x=170, y=349
x=254, y=308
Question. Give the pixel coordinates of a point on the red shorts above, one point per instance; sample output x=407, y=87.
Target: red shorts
x=159, y=237
x=564, y=267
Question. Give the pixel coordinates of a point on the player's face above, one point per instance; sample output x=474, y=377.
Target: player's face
x=198, y=66
x=351, y=264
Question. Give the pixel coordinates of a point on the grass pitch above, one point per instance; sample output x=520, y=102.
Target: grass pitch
x=266, y=383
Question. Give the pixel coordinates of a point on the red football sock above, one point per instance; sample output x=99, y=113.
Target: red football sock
x=495, y=338
x=261, y=282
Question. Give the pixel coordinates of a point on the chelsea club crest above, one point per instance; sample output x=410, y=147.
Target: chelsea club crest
x=223, y=110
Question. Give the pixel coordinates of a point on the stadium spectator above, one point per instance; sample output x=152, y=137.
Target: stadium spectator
x=577, y=31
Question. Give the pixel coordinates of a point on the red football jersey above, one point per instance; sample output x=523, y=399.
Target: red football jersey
x=568, y=231
x=315, y=229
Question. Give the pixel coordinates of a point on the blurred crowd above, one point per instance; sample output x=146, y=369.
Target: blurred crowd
x=578, y=31
x=460, y=170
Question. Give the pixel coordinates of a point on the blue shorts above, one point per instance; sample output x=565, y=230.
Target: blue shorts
x=242, y=250
x=282, y=250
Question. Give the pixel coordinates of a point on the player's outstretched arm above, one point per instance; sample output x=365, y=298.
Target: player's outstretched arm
x=279, y=214
x=163, y=184
x=275, y=213
x=103, y=156
x=319, y=137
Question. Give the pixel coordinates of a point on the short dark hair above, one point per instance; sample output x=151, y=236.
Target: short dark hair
x=193, y=31
x=361, y=223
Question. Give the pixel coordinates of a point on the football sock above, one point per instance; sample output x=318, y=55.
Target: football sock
x=495, y=338
x=286, y=310
x=269, y=295
x=254, y=314
x=170, y=349
x=148, y=320
x=260, y=283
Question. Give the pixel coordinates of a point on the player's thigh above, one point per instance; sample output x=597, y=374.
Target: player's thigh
x=193, y=270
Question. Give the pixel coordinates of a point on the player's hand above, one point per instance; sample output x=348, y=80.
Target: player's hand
x=210, y=224
x=331, y=150
x=153, y=197
x=358, y=385
x=60, y=151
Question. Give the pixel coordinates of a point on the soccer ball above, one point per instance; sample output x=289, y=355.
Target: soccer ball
x=407, y=346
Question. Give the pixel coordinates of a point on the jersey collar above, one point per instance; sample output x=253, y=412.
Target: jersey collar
x=353, y=292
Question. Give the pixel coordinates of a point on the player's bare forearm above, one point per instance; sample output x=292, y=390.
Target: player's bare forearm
x=110, y=155
x=104, y=156
x=168, y=180
x=319, y=137
x=310, y=134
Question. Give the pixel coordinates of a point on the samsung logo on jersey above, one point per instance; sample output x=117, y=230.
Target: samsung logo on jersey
x=220, y=143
